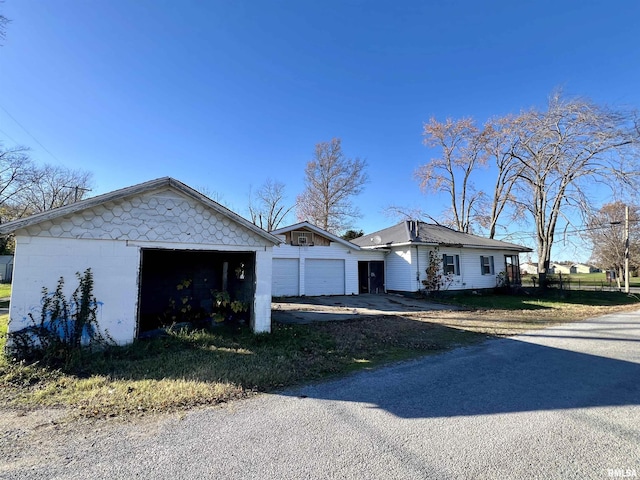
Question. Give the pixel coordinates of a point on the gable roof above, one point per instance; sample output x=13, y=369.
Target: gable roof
x=131, y=191
x=318, y=230
x=411, y=232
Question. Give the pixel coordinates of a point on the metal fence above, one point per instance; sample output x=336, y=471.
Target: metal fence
x=562, y=282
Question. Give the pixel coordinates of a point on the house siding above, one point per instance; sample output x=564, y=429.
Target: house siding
x=399, y=272
x=403, y=265
x=471, y=277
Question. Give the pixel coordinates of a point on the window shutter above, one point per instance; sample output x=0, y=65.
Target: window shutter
x=481, y=264
x=492, y=270
x=457, y=264
x=444, y=263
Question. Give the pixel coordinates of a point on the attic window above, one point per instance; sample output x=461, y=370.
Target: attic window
x=303, y=239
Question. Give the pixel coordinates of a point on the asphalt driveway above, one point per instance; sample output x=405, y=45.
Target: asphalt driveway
x=559, y=403
x=345, y=307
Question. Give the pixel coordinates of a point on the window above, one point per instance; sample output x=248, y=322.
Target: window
x=486, y=265
x=451, y=264
x=302, y=239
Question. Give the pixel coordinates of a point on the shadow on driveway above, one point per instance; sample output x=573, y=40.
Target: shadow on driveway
x=503, y=376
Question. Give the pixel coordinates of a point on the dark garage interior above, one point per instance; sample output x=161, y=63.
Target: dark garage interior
x=194, y=286
x=371, y=277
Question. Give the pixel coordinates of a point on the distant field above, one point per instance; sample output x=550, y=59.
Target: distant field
x=583, y=279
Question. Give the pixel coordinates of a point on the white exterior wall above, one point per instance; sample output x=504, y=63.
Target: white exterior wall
x=529, y=268
x=471, y=276
x=400, y=273
x=334, y=251
x=108, y=239
x=403, y=265
x=371, y=255
x=41, y=261
x=261, y=319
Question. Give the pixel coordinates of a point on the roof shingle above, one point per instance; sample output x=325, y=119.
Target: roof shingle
x=421, y=233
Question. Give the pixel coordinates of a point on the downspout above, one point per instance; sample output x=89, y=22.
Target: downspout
x=418, y=267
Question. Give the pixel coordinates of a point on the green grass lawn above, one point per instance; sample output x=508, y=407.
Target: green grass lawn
x=5, y=290
x=552, y=299
x=577, y=280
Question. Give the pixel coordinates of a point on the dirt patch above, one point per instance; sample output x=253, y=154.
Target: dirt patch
x=303, y=310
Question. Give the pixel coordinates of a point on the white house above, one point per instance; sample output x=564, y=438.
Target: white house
x=311, y=261
x=140, y=243
x=529, y=268
x=583, y=268
x=557, y=268
x=470, y=261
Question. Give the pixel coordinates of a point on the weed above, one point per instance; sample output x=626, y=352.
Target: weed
x=64, y=330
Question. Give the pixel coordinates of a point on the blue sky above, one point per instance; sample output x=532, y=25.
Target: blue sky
x=224, y=95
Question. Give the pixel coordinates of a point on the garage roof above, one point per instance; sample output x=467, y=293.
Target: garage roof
x=138, y=189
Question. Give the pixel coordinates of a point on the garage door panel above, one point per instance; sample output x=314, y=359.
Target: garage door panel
x=285, y=277
x=324, y=277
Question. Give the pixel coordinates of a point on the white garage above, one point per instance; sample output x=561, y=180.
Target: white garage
x=313, y=262
x=324, y=276
x=139, y=243
x=286, y=277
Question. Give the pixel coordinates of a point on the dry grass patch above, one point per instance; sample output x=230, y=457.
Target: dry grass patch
x=184, y=370
x=209, y=367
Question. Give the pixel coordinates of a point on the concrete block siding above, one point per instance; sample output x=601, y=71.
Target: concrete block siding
x=109, y=238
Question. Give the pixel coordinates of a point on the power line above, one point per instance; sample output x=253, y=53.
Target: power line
x=9, y=137
x=578, y=229
x=29, y=133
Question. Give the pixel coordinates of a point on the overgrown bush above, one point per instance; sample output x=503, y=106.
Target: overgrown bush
x=436, y=280
x=65, y=329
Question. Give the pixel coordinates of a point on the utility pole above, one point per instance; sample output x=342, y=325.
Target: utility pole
x=77, y=190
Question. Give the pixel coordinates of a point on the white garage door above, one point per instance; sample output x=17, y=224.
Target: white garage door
x=324, y=277
x=285, y=277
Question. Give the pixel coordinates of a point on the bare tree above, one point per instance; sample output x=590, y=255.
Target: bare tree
x=562, y=153
x=331, y=181
x=267, y=206
x=411, y=213
x=4, y=22
x=463, y=150
x=16, y=172
x=498, y=139
x=50, y=187
x=606, y=232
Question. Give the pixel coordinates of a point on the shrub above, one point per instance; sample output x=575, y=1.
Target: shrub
x=436, y=280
